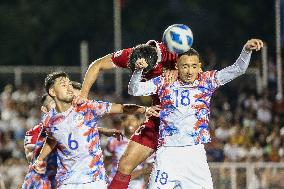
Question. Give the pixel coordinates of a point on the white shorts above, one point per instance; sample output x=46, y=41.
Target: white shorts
x=91, y=185
x=136, y=184
x=181, y=168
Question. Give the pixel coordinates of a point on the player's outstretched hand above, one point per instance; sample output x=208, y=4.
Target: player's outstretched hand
x=170, y=76
x=153, y=111
x=253, y=44
x=140, y=64
x=111, y=133
x=39, y=166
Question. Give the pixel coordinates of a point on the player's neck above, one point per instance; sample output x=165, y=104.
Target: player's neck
x=185, y=82
x=62, y=106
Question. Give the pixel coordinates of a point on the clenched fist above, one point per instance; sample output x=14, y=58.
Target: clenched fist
x=253, y=44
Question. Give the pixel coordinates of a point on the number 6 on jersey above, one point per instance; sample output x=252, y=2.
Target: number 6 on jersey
x=72, y=144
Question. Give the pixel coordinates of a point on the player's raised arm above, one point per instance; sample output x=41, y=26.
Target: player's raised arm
x=92, y=73
x=138, y=88
x=240, y=66
x=134, y=109
x=127, y=109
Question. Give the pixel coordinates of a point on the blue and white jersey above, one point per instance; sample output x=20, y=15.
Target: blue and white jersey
x=185, y=110
x=80, y=158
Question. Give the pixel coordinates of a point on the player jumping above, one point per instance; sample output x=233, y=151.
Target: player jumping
x=181, y=159
x=144, y=142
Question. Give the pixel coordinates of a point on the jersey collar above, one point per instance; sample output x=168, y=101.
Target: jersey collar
x=194, y=84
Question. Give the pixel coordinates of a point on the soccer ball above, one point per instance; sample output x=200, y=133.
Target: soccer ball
x=178, y=38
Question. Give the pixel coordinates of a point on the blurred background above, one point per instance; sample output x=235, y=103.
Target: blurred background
x=247, y=115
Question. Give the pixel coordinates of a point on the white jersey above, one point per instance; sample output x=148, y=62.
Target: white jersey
x=185, y=110
x=80, y=158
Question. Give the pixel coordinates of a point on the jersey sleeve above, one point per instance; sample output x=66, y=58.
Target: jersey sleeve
x=238, y=68
x=47, y=121
x=210, y=79
x=120, y=58
x=99, y=108
x=147, y=88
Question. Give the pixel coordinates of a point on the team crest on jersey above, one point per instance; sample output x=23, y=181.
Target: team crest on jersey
x=117, y=53
x=79, y=119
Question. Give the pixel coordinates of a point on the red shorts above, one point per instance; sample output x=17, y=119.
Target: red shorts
x=148, y=133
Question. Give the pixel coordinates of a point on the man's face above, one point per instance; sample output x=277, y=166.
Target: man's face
x=188, y=68
x=62, y=90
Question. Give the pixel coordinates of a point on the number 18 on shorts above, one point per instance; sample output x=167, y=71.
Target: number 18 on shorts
x=162, y=181
x=181, y=168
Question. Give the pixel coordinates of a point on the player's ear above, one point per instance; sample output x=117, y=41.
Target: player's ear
x=51, y=92
x=200, y=68
x=176, y=65
x=43, y=109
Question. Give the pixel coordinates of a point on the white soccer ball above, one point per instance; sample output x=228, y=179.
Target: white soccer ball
x=178, y=38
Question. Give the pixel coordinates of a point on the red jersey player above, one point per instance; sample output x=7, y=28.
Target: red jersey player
x=34, y=140
x=144, y=142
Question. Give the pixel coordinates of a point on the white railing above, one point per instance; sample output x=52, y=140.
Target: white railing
x=250, y=175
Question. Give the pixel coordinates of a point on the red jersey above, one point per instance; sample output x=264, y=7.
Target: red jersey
x=36, y=136
x=165, y=59
x=33, y=134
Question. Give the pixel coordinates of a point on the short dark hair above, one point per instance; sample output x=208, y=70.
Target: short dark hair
x=50, y=79
x=190, y=52
x=76, y=85
x=147, y=52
